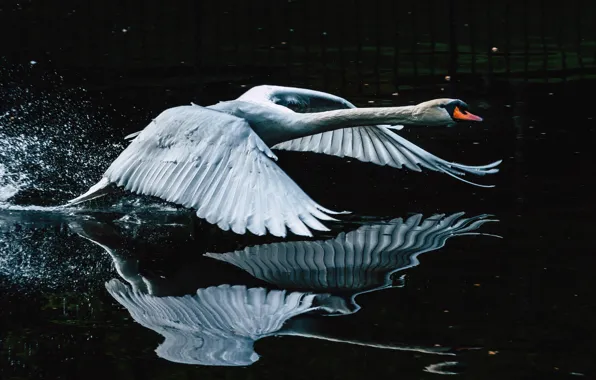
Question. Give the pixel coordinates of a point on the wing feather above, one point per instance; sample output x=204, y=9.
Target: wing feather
x=216, y=164
x=375, y=144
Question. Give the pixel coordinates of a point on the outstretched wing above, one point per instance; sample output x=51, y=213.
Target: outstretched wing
x=215, y=163
x=380, y=146
x=375, y=144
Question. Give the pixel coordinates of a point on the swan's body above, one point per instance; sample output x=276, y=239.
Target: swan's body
x=218, y=160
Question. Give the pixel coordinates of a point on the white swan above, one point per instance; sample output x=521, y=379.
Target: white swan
x=217, y=159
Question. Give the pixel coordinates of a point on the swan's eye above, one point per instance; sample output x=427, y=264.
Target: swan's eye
x=451, y=106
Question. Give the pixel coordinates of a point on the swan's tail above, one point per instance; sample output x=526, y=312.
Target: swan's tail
x=100, y=189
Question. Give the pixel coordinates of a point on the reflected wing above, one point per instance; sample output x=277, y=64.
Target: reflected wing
x=216, y=326
x=375, y=144
x=215, y=163
x=357, y=260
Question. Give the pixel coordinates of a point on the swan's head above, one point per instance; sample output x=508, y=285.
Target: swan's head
x=443, y=112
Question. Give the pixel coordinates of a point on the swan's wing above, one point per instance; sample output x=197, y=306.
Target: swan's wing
x=358, y=260
x=215, y=163
x=377, y=144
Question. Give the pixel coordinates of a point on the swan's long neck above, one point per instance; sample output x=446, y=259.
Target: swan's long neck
x=312, y=123
x=275, y=124
x=356, y=117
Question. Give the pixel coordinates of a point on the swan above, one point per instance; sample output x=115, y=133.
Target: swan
x=217, y=159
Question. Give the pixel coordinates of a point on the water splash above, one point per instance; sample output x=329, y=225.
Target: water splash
x=53, y=144
x=9, y=185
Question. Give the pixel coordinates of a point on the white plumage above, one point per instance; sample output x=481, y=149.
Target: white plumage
x=375, y=144
x=215, y=163
x=217, y=159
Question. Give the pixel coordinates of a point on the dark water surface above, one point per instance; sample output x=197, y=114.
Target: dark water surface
x=357, y=304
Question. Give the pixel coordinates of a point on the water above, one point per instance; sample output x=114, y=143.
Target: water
x=489, y=282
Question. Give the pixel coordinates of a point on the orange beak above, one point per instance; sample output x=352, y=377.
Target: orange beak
x=459, y=115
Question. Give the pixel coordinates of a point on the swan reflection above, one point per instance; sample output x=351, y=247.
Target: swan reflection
x=219, y=324
x=358, y=262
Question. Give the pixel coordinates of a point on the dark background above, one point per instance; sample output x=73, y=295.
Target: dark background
x=79, y=75
x=368, y=48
